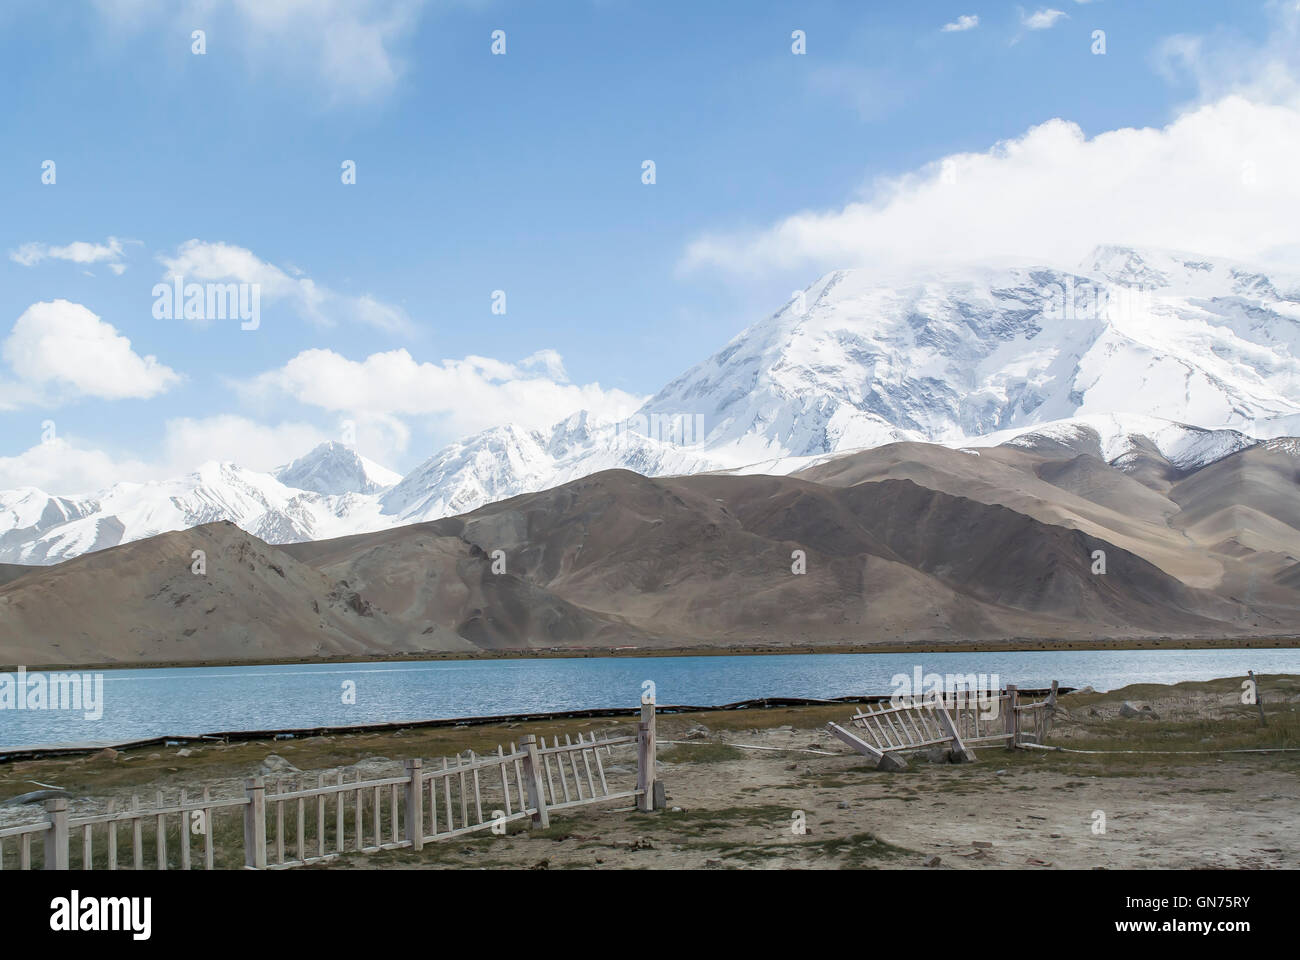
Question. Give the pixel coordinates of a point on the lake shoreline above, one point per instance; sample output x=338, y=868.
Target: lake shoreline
x=737, y=650
x=733, y=779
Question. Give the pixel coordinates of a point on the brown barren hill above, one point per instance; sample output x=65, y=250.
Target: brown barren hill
x=142, y=602
x=878, y=547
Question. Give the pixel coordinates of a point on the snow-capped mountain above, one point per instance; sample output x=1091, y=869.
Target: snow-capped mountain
x=1132, y=351
x=1120, y=436
x=37, y=528
x=857, y=360
x=333, y=469
x=509, y=460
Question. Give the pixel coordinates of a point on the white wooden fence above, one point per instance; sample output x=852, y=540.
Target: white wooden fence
x=959, y=720
x=292, y=822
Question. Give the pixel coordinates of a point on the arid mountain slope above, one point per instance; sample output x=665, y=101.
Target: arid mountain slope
x=904, y=542
x=142, y=602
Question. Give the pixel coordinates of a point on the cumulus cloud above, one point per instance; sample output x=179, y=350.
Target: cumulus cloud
x=1217, y=179
x=60, y=350
x=967, y=21
x=1043, y=19
x=190, y=441
x=348, y=50
x=466, y=395
x=69, y=467
x=109, y=252
x=197, y=261
x=65, y=469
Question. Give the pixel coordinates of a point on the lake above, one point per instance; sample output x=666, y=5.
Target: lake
x=187, y=701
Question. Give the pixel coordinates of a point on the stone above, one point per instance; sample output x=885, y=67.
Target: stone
x=185, y=752
x=933, y=862
x=891, y=763
x=1127, y=709
x=275, y=764
x=844, y=805
x=108, y=753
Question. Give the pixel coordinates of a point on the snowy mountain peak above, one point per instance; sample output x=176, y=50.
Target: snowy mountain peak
x=334, y=469
x=857, y=361
x=1205, y=361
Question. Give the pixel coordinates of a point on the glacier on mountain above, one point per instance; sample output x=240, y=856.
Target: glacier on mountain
x=1196, y=357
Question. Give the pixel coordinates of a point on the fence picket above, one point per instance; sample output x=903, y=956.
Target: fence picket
x=586, y=763
x=519, y=778
x=112, y=837
x=478, y=799
x=207, y=831
x=446, y=795
x=505, y=778
x=320, y=816
x=137, y=836
x=360, y=832
x=600, y=768
x=184, y=838
x=559, y=764
x=279, y=821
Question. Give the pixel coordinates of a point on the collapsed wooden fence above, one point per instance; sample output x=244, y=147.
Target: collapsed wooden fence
x=289, y=824
x=957, y=719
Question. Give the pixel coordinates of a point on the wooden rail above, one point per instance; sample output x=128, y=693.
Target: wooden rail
x=959, y=719
x=292, y=821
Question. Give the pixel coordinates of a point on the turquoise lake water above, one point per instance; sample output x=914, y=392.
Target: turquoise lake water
x=195, y=700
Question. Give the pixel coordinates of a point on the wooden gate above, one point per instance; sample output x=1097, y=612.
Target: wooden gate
x=957, y=719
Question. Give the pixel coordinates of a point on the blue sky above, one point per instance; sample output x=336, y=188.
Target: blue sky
x=475, y=173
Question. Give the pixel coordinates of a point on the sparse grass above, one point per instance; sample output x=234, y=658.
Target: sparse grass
x=726, y=831
x=700, y=753
x=698, y=821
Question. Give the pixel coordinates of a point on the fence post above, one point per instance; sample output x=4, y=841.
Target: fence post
x=415, y=803
x=646, y=754
x=56, y=837
x=533, y=780
x=255, y=824
x=1013, y=721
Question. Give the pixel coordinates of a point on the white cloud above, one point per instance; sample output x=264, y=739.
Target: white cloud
x=203, y=262
x=349, y=50
x=61, y=350
x=65, y=469
x=1043, y=19
x=967, y=21
x=466, y=395
x=79, y=251
x=189, y=442
x=1265, y=73
x=1217, y=179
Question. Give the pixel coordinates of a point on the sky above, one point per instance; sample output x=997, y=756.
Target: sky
x=447, y=214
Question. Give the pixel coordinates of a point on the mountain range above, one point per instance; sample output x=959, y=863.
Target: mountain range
x=948, y=452
x=1039, y=538
x=1197, y=357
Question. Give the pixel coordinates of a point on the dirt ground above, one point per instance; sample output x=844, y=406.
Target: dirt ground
x=732, y=805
